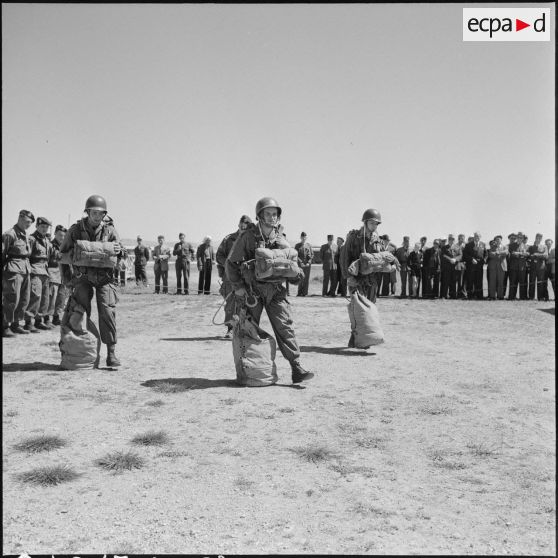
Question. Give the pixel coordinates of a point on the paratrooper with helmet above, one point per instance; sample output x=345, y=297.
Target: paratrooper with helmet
x=85, y=279
x=266, y=233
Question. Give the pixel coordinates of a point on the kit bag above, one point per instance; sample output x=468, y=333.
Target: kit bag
x=93, y=254
x=276, y=264
x=254, y=353
x=80, y=346
x=365, y=322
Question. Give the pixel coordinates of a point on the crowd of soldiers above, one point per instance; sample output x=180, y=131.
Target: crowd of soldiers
x=38, y=286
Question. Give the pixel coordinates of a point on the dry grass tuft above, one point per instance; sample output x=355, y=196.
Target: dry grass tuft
x=12, y=414
x=172, y=454
x=50, y=475
x=151, y=438
x=43, y=442
x=170, y=387
x=243, y=483
x=315, y=453
x=119, y=461
x=436, y=409
x=443, y=459
x=156, y=403
x=483, y=449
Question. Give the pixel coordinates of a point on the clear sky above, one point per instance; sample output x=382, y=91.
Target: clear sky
x=183, y=116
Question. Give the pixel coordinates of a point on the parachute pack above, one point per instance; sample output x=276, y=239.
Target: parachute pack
x=365, y=322
x=372, y=263
x=276, y=264
x=254, y=353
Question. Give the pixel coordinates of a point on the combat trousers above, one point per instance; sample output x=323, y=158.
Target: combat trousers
x=225, y=290
x=15, y=296
x=204, y=281
x=273, y=297
x=182, y=268
x=140, y=274
x=329, y=282
x=303, y=285
x=38, y=298
x=58, y=296
x=107, y=299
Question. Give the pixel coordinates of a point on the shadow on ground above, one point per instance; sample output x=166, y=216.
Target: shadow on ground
x=548, y=310
x=29, y=366
x=214, y=338
x=175, y=385
x=345, y=351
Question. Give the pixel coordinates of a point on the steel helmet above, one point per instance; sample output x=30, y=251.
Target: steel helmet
x=96, y=202
x=372, y=214
x=265, y=203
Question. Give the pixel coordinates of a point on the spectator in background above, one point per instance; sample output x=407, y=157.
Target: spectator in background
x=206, y=259
x=538, y=255
x=433, y=263
x=341, y=281
x=496, y=267
x=517, y=267
x=58, y=292
x=414, y=263
x=460, y=267
x=305, y=258
x=447, y=269
x=141, y=257
x=184, y=254
x=551, y=266
x=474, y=255
x=384, y=278
x=328, y=252
x=161, y=256
x=402, y=254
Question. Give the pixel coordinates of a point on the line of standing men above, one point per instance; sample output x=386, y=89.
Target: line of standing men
x=32, y=288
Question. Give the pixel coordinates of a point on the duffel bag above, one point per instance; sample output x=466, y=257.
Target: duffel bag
x=94, y=254
x=254, y=353
x=365, y=322
x=276, y=264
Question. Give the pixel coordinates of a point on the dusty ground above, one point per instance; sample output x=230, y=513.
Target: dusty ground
x=443, y=441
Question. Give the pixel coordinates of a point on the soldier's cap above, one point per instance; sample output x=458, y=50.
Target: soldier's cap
x=28, y=214
x=330, y=237
x=303, y=234
x=451, y=236
x=511, y=234
x=139, y=238
x=498, y=236
x=245, y=219
x=60, y=228
x=443, y=239
x=405, y=238
x=43, y=221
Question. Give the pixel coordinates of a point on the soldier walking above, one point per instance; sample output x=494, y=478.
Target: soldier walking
x=266, y=233
x=101, y=281
x=184, y=254
x=16, y=274
x=226, y=287
x=41, y=253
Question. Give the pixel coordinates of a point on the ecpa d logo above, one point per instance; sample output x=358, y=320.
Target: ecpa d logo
x=506, y=24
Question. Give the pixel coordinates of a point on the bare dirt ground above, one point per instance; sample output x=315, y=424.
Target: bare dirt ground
x=441, y=440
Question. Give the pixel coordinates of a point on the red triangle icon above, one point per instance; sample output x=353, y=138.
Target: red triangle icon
x=519, y=25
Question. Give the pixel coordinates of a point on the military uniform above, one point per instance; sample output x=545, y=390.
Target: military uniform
x=41, y=253
x=356, y=244
x=184, y=254
x=15, y=275
x=271, y=296
x=87, y=281
x=226, y=288
x=58, y=292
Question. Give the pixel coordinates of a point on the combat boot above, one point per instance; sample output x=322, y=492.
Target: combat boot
x=112, y=359
x=299, y=374
x=16, y=328
x=39, y=325
x=47, y=322
x=30, y=328
x=56, y=320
